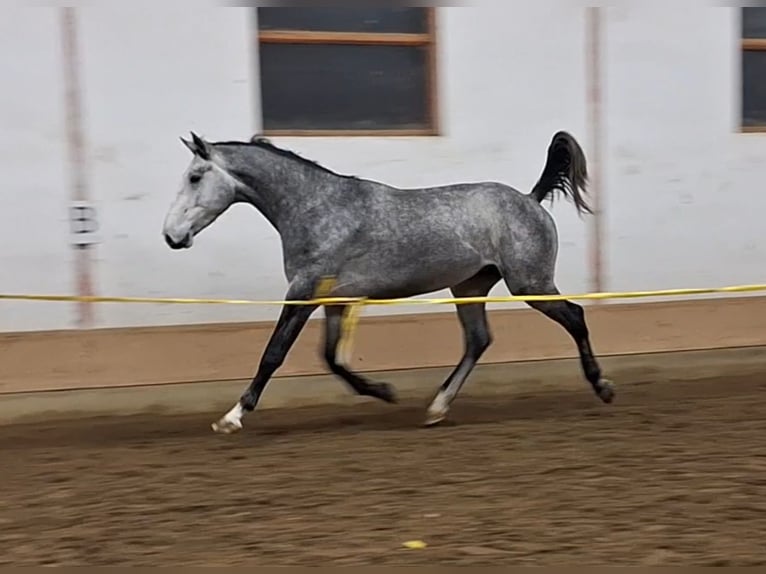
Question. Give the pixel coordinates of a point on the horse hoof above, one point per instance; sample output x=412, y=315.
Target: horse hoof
x=224, y=426
x=437, y=410
x=434, y=418
x=384, y=392
x=606, y=390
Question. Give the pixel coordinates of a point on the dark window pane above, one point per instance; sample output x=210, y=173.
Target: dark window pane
x=754, y=22
x=343, y=87
x=753, y=88
x=407, y=20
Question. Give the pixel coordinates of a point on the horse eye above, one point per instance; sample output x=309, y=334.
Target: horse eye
x=195, y=178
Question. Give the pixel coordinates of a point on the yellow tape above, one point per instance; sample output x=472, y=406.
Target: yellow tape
x=318, y=300
x=354, y=305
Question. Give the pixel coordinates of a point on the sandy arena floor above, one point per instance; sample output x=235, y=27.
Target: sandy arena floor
x=673, y=473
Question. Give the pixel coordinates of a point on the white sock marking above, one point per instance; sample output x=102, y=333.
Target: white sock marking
x=234, y=416
x=440, y=404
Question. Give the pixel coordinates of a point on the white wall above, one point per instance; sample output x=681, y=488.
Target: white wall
x=34, y=189
x=683, y=187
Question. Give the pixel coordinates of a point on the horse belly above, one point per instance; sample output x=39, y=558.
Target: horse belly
x=377, y=278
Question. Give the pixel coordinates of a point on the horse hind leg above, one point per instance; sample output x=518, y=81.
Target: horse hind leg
x=477, y=338
x=571, y=316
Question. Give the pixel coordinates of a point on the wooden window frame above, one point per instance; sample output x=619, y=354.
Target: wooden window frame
x=426, y=39
x=750, y=45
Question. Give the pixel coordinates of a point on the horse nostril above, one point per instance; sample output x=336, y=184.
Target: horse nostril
x=175, y=244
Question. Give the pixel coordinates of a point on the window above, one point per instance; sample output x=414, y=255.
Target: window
x=347, y=71
x=754, y=69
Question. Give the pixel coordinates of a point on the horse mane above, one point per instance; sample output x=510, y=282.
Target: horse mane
x=266, y=144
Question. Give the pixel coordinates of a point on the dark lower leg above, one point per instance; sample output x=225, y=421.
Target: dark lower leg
x=571, y=316
x=290, y=323
x=477, y=338
x=360, y=385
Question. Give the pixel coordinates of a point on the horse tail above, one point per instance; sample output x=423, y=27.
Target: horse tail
x=565, y=171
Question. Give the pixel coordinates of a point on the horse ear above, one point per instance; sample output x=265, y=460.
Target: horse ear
x=201, y=146
x=189, y=145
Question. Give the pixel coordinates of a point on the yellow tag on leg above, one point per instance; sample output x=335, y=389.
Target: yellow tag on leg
x=347, y=329
x=324, y=287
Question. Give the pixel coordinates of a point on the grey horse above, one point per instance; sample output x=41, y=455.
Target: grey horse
x=380, y=241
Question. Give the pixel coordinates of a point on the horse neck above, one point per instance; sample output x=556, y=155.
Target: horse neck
x=282, y=188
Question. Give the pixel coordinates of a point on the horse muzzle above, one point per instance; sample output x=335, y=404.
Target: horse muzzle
x=183, y=243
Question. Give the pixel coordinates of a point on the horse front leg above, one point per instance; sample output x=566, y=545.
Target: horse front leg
x=359, y=384
x=290, y=324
